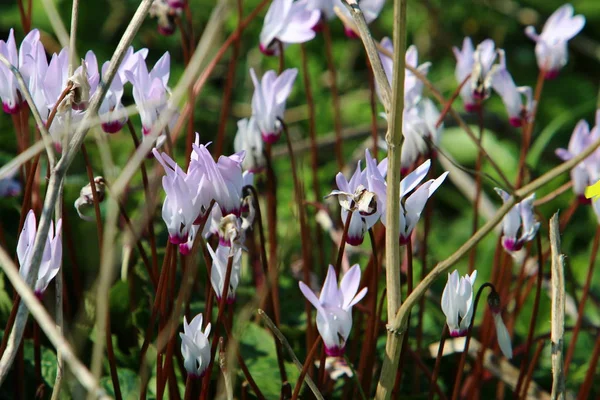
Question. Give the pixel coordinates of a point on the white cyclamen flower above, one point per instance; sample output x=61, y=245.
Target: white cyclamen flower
x=519, y=224
x=457, y=302
x=195, y=346
x=334, y=308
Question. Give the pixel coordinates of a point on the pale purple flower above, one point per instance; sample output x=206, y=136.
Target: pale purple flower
x=413, y=86
x=551, y=45
x=249, y=139
x=519, y=113
x=457, y=302
x=56, y=77
x=325, y=6
x=519, y=224
x=9, y=90
x=10, y=187
x=586, y=172
x=165, y=15
x=218, y=270
x=287, y=21
x=478, y=63
x=411, y=206
x=51, y=257
x=268, y=101
x=334, y=308
x=195, y=346
x=150, y=90
x=358, y=197
x=184, y=201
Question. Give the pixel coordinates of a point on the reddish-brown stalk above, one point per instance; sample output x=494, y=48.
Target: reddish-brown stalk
x=206, y=72
x=448, y=104
x=109, y=348
x=68, y=240
x=304, y=231
x=307, y=363
x=215, y=333
x=417, y=359
x=532, y=364
x=590, y=376
x=228, y=91
x=340, y=254
x=190, y=387
x=314, y=153
x=268, y=305
x=478, y=162
x=149, y=200
x=582, y=301
x=528, y=129
x=438, y=361
x=337, y=112
x=463, y=356
x=534, y=313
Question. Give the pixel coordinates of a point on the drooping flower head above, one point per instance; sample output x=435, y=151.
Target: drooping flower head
x=457, y=302
x=9, y=92
x=412, y=202
x=218, y=271
x=477, y=63
x=51, y=257
x=519, y=113
x=268, y=101
x=358, y=197
x=195, y=346
x=551, y=45
x=501, y=332
x=519, y=224
x=334, y=308
x=287, y=21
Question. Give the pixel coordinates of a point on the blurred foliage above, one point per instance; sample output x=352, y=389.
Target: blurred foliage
x=434, y=26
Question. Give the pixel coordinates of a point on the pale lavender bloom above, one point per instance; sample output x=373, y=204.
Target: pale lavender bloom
x=183, y=201
x=218, y=271
x=225, y=178
x=9, y=90
x=51, y=257
x=150, y=90
x=268, y=101
x=56, y=77
x=130, y=61
x=478, y=63
x=551, y=45
x=519, y=114
x=519, y=224
x=587, y=172
x=35, y=67
x=326, y=7
x=457, y=302
x=195, y=346
x=413, y=86
x=248, y=139
x=287, y=21
x=358, y=197
x=411, y=206
x=334, y=308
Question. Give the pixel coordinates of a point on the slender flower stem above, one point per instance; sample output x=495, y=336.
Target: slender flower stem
x=534, y=313
x=463, y=356
x=340, y=254
x=215, y=333
x=473, y=253
x=228, y=91
x=582, y=301
x=438, y=361
x=590, y=376
x=190, y=387
x=450, y=101
x=312, y=130
x=373, y=105
x=532, y=364
x=309, y=359
x=337, y=116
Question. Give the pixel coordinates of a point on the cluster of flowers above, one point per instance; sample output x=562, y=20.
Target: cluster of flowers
x=46, y=81
x=476, y=71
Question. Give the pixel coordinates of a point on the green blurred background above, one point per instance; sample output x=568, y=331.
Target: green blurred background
x=434, y=26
